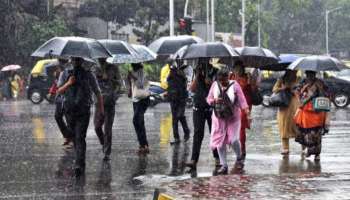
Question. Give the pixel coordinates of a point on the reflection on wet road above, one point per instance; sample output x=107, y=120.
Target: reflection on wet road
x=33, y=164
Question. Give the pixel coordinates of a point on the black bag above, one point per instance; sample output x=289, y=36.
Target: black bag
x=281, y=98
x=223, y=110
x=257, y=98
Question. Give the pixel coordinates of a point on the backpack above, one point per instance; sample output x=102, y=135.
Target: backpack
x=77, y=97
x=224, y=109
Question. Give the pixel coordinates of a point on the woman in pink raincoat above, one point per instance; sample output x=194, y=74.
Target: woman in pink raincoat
x=226, y=127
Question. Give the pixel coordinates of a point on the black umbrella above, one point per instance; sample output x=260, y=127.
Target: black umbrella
x=317, y=63
x=283, y=63
x=166, y=46
x=209, y=50
x=86, y=48
x=257, y=56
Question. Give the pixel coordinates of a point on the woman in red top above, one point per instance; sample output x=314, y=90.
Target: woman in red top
x=245, y=81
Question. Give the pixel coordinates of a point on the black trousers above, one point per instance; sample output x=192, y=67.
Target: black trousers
x=62, y=125
x=103, y=127
x=200, y=116
x=140, y=108
x=79, y=124
x=178, y=113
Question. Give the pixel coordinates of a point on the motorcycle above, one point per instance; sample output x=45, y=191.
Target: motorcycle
x=158, y=95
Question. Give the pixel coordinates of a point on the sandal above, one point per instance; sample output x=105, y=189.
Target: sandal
x=222, y=171
x=285, y=152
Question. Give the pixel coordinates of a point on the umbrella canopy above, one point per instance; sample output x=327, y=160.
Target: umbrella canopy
x=144, y=53
x=86, y=48
x=170, y=44
x=283, y=63
x=317, y=63
x=180, y=53
x=209, y=50
x=117, y=47
x=10, y=68
x=256, y=56
x=140, y=54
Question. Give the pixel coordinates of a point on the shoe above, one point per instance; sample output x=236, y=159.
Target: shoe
x=106, y=158
x=222, y=171
x=186, y=137
x=243, y=156
x=191, y=165
x=176, y=141
x=143, y=150
x=239, y=165
x=285, y=152
x=317, y=157
x=79, y=171
x=68, y=146
x=66, y=142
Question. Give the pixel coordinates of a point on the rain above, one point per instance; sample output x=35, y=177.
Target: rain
x=92, y=92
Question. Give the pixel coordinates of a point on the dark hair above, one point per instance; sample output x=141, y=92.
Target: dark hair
x=222, y=73
x=136, y=66
x=238, y=62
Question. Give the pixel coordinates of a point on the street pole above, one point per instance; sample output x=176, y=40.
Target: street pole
x=259, y=25
x=48, y=7
x=327, y=48
x=327, y=28
x=208, y=19
x=186, y=8
x=212, y=21
x=171, y=17
x=243, y=23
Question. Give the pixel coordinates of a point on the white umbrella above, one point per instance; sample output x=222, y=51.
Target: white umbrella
x=10, y=68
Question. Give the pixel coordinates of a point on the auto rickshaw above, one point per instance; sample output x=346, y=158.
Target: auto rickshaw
x=41, y=79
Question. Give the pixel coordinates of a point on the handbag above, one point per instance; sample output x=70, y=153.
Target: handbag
x=139, y=93
x=321, y=104
x=280, y=99
x=256, y=97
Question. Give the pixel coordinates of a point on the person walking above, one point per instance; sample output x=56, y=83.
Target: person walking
x=202, y=111
x=77, y=91
x=109, y=81
x=177, y=94
x=140, y=98
x=311, y=122
x=60, y=118
x=228, y=101
x=248, y=86
x=286, y=126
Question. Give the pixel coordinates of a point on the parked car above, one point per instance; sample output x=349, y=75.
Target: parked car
x=40, y=80
x=340, y=90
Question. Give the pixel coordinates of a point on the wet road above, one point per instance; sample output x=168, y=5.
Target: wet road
x=33, y=164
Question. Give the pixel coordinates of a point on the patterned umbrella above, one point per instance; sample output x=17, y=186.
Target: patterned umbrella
x=10, y=68
x=166, y=46
x=256, y=56
x=117, y=47
x=86, y=48
x=144, y=53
